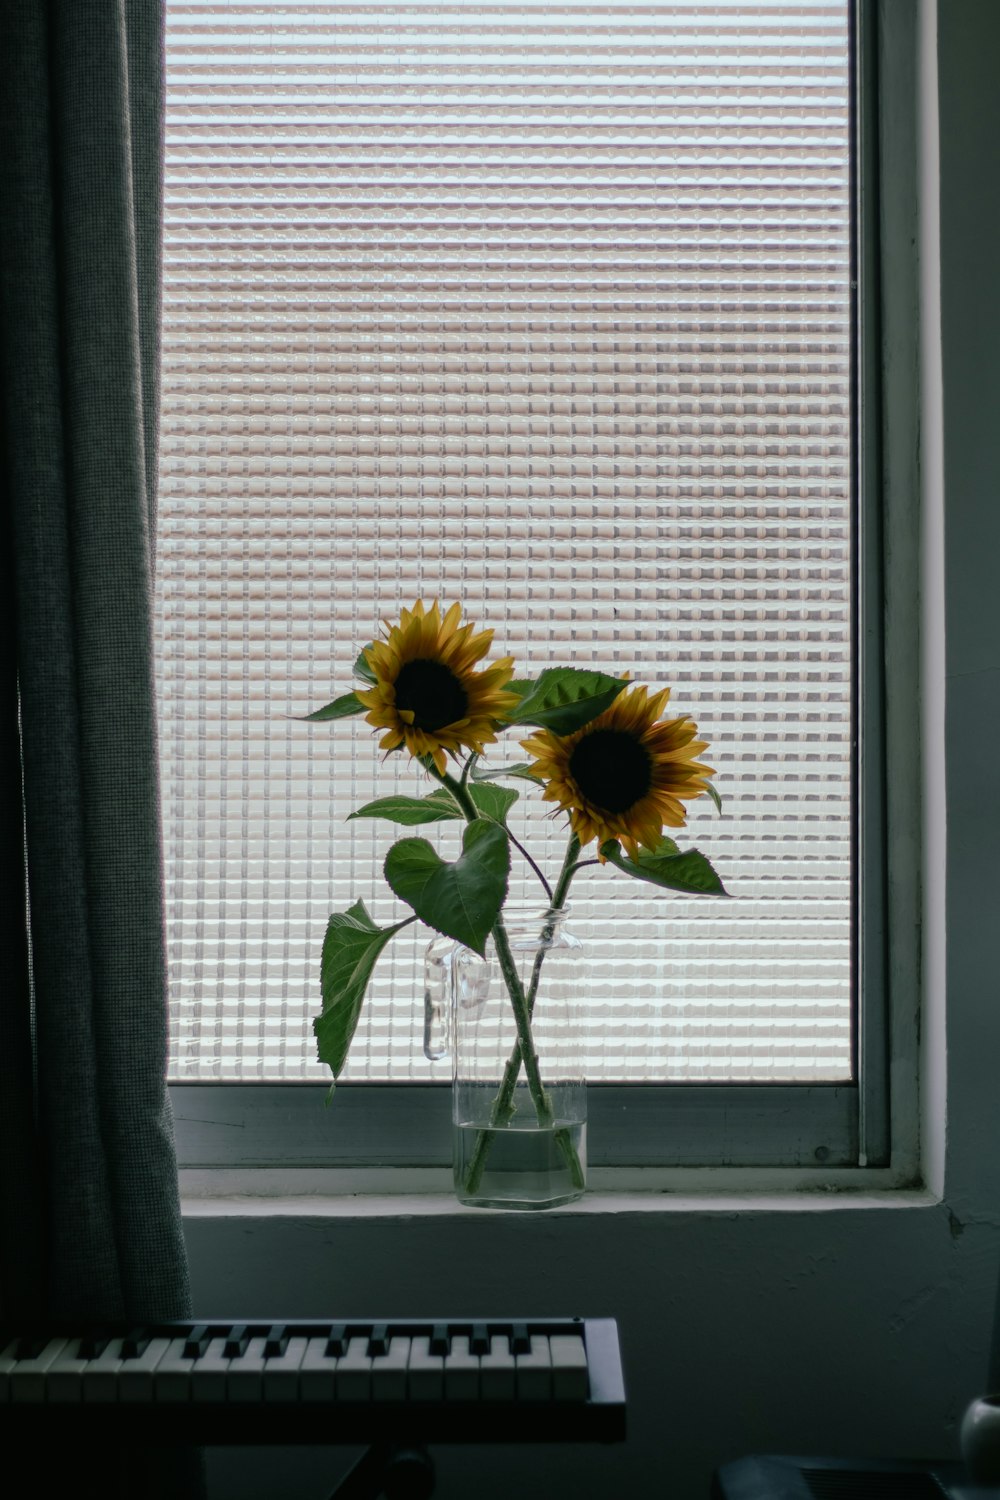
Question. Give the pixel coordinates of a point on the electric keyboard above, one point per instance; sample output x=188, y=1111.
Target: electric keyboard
x=317, y=1381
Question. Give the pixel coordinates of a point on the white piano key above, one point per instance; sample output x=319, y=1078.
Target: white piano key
x=281, y=1371
x=7, y=1363
x=389, y=1371
x=136, y=1377
x=100, y=1378
x=172, y=1376
x=64, y=1377
x=497, y=1371
x=245, y=1378
x=209, y=1372
x=424, y=1371
x=27, y=1378
x=569, y=1367
x=317, y=1372
x=354, y=1372
x=534, y=1371
x=461, y=1371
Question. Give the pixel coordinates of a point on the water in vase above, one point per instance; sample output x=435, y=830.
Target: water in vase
x=524, y=1168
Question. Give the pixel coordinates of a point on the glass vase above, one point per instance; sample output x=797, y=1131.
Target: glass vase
x=511, y=1023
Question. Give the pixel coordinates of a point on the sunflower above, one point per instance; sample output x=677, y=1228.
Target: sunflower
x=426, y=694
x=623, y=776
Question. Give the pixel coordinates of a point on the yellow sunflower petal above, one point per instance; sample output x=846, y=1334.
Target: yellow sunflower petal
x=426, y=689
x=450, y=622
x=627, y=783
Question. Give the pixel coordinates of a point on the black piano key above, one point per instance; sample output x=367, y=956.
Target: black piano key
x=337, y=1341
x=479, y=1339
x=236, y=1341
x=276, y=1341
x=440, y=1339
x=31, y=1346
x=197, y=1341
x=378, y=1340
x=93, y=1345
x=135, y=1343
x=518, y=1338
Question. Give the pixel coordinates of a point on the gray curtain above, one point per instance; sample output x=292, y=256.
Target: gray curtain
x=89, y=1217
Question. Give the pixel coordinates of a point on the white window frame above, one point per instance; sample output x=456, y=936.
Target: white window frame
x=802, y=1135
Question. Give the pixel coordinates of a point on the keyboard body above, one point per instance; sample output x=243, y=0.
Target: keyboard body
x=316, y=1381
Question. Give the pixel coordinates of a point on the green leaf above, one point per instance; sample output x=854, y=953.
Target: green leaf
x=362, y=669
x=493, y=801
x=710, y=789
x=340, y=708
x=564, y=699
x=461, y=899
x=436, y=808
x=689, y=872
x=522, y=770
x=350, y=949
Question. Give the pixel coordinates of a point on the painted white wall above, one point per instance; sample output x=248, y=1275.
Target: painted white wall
x=827, y=1325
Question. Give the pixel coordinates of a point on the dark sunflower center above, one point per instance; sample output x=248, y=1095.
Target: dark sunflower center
x=433, y=693
x=612, y=770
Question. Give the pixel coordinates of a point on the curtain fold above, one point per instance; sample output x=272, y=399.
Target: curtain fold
x=90, y=1223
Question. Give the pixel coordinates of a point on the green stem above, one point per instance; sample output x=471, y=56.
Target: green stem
x=531, y=862
x=522, y=1006
x=502, y=1111
x=526, y=1043
x=456, y=787
x=467, y=768
x=557, y=902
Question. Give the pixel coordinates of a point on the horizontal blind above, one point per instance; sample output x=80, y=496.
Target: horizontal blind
x=546, y=309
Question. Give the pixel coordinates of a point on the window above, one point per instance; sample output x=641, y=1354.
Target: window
x=549, y=309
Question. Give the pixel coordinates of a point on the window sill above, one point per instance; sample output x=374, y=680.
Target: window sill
x=426, y=1194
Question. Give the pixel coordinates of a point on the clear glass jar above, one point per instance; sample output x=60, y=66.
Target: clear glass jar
x=519, y=1100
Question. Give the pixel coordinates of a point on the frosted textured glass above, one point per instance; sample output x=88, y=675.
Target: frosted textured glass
x=545, y=309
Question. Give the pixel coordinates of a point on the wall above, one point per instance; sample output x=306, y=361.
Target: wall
x=969, y=58
x=834, y=1329
x=825, y=1324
